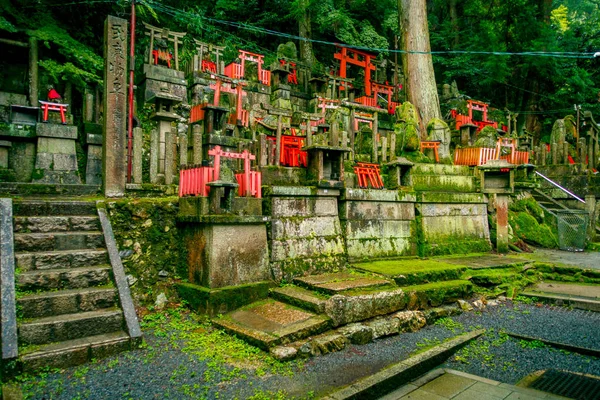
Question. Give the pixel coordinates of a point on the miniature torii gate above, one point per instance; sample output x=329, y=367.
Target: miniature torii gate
x=168, y=35
x=198, y=63
x=237, y=71
x=219, y=87
x=358, y=58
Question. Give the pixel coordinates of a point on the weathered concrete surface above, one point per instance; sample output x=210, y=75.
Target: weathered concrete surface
x=226, y=255
x=56, y=158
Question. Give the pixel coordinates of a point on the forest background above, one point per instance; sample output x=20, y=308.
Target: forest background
x=533, y=57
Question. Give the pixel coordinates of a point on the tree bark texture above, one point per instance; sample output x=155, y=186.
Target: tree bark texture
x=306, y=50
x=418, y=68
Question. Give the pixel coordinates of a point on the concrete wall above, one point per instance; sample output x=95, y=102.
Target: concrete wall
x=378, y=223
x=305, y=234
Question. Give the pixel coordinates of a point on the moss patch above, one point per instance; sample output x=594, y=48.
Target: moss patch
x=527, y=228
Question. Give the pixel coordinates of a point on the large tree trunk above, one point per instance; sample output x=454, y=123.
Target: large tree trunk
x=454, y=22
x=418, y=68
x=306, y=50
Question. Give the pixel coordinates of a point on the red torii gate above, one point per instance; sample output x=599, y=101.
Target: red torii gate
x=359, y=58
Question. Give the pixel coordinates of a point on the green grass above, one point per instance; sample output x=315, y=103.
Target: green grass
x=403, y=267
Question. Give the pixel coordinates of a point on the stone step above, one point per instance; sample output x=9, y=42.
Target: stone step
x=69, y=301
x=59, y=328
x=54, y=207
x=300, y=297
x=69, y=278
x=269, y=323
x=437, y=293
x=414, y=271
x=56, y=241
x=338, y=282
x=61, y=259
x=56, y=223
x=75, y=352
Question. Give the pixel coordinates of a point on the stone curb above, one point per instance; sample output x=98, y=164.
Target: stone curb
x=575, y=302
x=133, y=325
x=563, y=346
x=396, y=375
x=7, y=282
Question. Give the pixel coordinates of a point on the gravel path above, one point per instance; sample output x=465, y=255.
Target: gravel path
x=165, y=369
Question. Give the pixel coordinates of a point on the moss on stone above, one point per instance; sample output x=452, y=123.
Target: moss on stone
x=527, y=228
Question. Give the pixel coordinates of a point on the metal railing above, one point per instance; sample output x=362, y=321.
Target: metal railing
x=560, y=187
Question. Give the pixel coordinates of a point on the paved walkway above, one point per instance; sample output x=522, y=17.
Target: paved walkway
x=568, y=289
x=587, y=259
x=445, y=384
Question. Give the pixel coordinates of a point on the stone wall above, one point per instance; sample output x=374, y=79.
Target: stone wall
x=305, y=234
x=378, y=223
x=452, y=223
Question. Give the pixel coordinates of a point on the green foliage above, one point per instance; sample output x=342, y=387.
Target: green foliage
x=6, y=26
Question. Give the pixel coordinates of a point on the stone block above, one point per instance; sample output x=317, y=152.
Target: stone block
x=383, y=326
x=56, y=146
x=377, y=229
x=361, y=210
x=299, y=227
x=346, y=309
x=303, y=207
x=306, y=248
x=21, y=159
x=357, y=333
x=3, y=157
x=44, y=160
x=91, y=138
x=359, y=249
x=455, y=227
x=226, y=255
x=56, y=131
x=377, y=195
x=65, y=162
x=410, y=321
x=444, y=183
x=451, y=210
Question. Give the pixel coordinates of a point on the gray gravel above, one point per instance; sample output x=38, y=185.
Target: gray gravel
x=167, y=372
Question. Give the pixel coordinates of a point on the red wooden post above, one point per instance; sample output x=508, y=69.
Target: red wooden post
x=238, y=105
x=247, y=173
x=217, y=93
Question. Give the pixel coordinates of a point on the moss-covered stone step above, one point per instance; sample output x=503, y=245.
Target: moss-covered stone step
x=70, y=278
x=56, y=223
x=59, y=328
x=54, y=207
x=337, y=282
x=567, y=274
x=301, y=297
x=269, y=323
x=60, y=259
x=414, y=271
x=74, y=352
x=438, y=293
x=485, y=261
x=492, y=277
x=66, y=302
x=57, y=241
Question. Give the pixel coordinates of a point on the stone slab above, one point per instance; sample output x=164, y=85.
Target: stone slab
x=308, y=227
x=300, y=297
x=302, y=191
x=455, y=228
x=376, y=210
x=441, y=169
x=8, y=329
x=448, y=198
x=303, y=207
x=132, y=323
x=341, y=281
x=377, y=229
x=359, y=249
x=452, y=210
x=307, y=248
x=56, y=131
x=270, y=323
x=444, y=183
x=377, y=195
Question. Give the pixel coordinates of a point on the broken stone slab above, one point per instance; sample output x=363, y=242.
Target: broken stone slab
x=410, y=321
x=330, y=342
x=433, y=314
x=357, y=333
x=384, y=326
x=283, y=353
x=344, y=309
x=479, y=304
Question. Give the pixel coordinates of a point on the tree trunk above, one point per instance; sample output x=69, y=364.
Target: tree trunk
x=454, y=22
x=418, y=68
x=306, y=50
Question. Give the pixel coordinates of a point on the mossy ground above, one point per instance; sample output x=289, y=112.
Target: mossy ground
x=408, y=266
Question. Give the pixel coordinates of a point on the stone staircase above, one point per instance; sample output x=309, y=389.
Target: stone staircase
x=320, y=313
x=68, y=308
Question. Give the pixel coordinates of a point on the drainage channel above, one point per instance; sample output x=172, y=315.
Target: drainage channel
x=568, y=384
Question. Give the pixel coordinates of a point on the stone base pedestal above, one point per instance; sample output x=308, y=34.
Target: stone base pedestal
x=56, y=159
x=228, y=254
